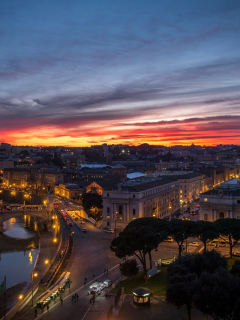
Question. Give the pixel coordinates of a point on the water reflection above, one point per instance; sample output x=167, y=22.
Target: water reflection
x=17, y=257
x=17, y=266
x=20, y=228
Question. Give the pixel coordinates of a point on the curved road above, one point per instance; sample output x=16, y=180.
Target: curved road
x=91, y=255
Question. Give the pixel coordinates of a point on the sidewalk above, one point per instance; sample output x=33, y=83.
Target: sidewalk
x=158, y=309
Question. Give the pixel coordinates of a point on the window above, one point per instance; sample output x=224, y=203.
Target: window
x=238, y=201
x=205, y=217
x=107, y=194
x=134, y=196
x=205, y=199
x=107, y=224
x=108, y=209
x=134, y=211
x=120, y=210
x=180, y=191
x=108, y=216
x=221, y=215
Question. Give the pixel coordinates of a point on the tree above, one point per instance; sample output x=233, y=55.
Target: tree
x=231, y=228
x=136, y=241
x=90, y=200
x=183, y=275
x=181, y=230
x=236, y=311
x=198, y=263
x=159, y=225
x=181, y=289
x=236, y=268
x=218, y=294
x=206, y=231
x=129, y=268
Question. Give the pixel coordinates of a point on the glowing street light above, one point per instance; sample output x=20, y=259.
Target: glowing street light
x=34, y=274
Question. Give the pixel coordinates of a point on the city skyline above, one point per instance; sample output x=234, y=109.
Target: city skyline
x=155, y=72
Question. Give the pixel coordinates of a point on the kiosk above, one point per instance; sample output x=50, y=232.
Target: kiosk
x=141, y=296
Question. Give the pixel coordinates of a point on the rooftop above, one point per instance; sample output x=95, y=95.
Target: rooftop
x=143, y=183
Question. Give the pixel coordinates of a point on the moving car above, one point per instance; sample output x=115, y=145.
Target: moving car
x=110, y=231
x=107, y=283
x=194, y=244
x=70, y=224
x=97, y=287
x=84, y=230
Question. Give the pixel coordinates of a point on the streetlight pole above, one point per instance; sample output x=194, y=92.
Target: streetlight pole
x=33, y=275
x=115, y=224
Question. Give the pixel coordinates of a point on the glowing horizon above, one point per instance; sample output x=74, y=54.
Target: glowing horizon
x=101, y=72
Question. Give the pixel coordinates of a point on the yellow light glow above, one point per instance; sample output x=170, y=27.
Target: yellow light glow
x=21, y=296
x=55, y=240
x=46, y=261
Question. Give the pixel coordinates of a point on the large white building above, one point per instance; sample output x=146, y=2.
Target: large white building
x=143, y=197
x=223, y=202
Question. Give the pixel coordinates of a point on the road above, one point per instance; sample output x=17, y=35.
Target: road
x=92, y=255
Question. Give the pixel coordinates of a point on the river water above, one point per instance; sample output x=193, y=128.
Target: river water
x=18, y=250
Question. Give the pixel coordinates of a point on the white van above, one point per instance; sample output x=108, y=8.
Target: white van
x=107, y=283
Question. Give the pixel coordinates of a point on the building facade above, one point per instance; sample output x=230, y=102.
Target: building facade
x=223, y=202
x=144, y=197
x=69, y=191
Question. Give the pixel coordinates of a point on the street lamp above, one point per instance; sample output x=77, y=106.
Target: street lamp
x=34, y=274
x=171, y=207
x=115, y=224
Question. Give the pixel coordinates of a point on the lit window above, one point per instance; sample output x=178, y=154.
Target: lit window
x=205, y=199
x=108, y=216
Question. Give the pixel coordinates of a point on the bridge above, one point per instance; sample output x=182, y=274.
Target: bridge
x=36, y=213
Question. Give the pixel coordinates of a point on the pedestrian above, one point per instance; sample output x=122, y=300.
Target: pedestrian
x=76, y=295
x=61, y=300
x=36, y=312
x=93, y=276
x=47, y=307
x=104, y=270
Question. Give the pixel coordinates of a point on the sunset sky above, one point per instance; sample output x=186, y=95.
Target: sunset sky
x=82, y=72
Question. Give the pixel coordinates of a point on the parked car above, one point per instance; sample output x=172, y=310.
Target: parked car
x=110, y=231
x=168, y=239
x=70, y=224
x=194, y=244
x=236, y=253
x=84, y=230
x=82, y=222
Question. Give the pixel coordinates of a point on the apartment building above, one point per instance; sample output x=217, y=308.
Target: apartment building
x=191, y=185
x=19, y=177
x=69, y=191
